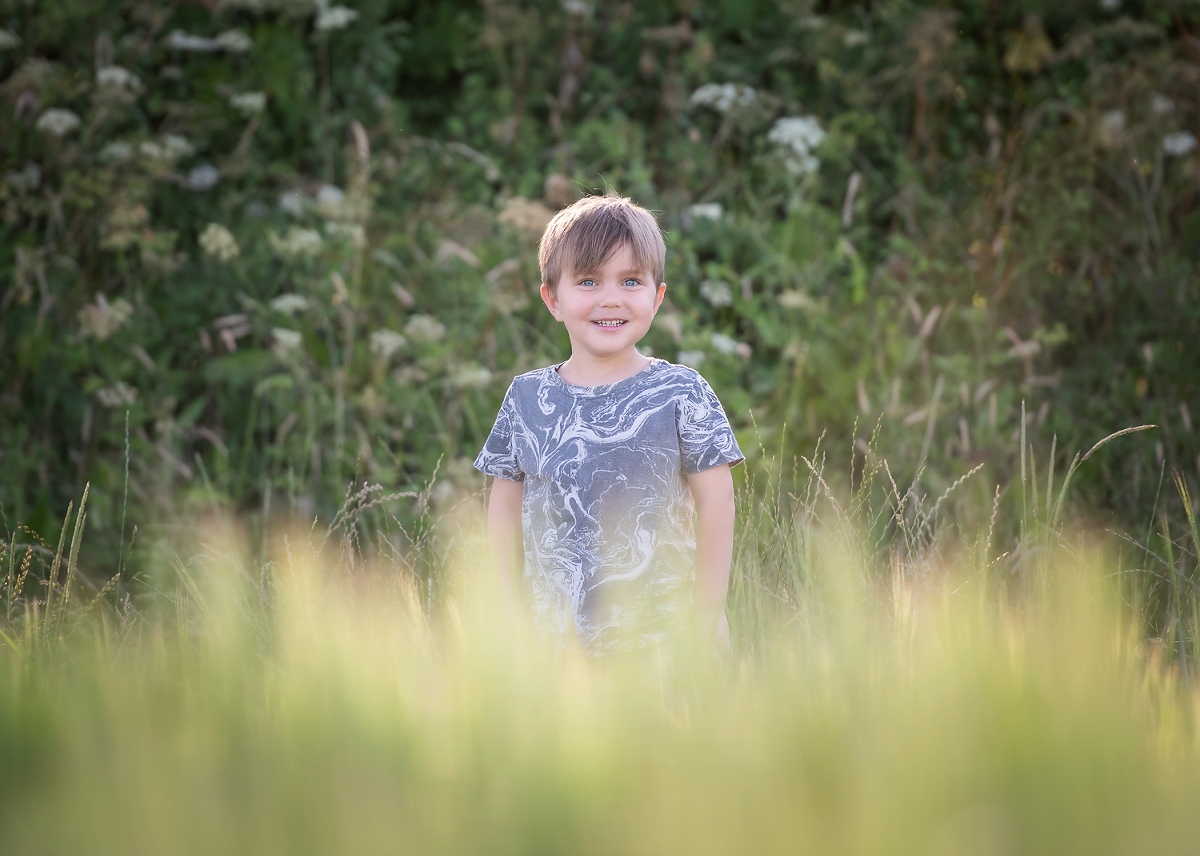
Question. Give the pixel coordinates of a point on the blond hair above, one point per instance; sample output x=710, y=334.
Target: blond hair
x=583, y=235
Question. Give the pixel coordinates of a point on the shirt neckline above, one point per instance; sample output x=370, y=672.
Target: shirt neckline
x=606, y=388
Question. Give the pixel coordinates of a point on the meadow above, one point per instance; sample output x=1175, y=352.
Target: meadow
x=909, y=674
x=269, y=267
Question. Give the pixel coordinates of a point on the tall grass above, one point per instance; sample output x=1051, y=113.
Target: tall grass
x=910, y=675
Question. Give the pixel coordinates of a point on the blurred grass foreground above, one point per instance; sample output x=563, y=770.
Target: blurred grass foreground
x=938, y=700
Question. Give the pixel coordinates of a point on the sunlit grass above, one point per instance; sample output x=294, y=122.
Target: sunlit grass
x=317, y=710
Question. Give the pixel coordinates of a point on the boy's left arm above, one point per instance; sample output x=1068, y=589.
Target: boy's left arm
x=712, y=492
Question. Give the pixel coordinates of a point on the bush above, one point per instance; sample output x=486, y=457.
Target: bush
x=258, y=249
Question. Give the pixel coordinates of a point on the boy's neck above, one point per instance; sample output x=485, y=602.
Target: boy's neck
x=582, y=370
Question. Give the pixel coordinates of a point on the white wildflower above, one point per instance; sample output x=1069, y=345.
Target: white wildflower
x=706, y=211
x=1161, y=104
x=351, y=233
x=855, y=38
x=424, y=328
x=218, y=243
x=717, y=293
x=24, y=180
x=290, y=304
x=285, y=339
x=120, y=394
x=293, y=202
x=329, y=200
x=181, y=41
x=385, y=342
x=577, y=7
x=101, y=319
x=335, y=18
x=161, y=155
x=799, y=300
x=1178, y=144
x=177, y=146
x=248, y=103
x=114, y=77
x=691, y=358
x=289, y=7
x=118, y=151
x=723, y=96
x=9, y=40
x=58, y=121
x=152, y=151
x=1110, y=5
x=234, y=41
x=203, y=177
x=724, y=344
x=1112, y=128
x=296, y=244
x=798, y=136
x=470, y=376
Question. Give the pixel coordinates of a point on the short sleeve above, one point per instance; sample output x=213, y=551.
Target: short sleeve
x=705, y=437
x=498, y=458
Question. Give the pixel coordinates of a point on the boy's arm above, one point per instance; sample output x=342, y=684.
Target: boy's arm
x=712, y=492
x=504, y=532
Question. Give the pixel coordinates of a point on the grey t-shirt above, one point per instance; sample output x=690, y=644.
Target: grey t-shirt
x=606, y=510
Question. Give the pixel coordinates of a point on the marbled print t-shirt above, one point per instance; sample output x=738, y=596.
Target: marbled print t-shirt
x=606, y=510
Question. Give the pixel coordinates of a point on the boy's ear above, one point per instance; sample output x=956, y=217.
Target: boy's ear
x=658, y=298
x=550, y=298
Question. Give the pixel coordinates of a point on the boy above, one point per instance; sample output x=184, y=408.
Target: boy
x=599, y=461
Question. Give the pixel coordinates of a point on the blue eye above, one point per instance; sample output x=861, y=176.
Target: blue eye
x=632, y=282
x=588, y=282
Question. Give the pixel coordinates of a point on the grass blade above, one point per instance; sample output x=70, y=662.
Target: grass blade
x=76, y=539
x=53, y=575
x=1114, y=436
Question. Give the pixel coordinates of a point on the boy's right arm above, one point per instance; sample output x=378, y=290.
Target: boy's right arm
x=504, y=532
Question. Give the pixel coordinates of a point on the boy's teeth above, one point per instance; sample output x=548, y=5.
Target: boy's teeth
x=610, y=323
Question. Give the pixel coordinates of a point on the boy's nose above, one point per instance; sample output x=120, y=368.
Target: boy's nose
x=611, y=296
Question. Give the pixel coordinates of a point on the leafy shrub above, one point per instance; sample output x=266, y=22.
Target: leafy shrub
x=256, y=249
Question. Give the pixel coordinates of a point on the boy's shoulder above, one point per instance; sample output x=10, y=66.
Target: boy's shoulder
x=534, y=378
x=673, y=374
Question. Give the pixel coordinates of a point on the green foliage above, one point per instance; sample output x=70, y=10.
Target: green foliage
x=994, y=215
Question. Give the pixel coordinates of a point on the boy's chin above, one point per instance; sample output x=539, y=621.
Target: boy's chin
x=612, y=353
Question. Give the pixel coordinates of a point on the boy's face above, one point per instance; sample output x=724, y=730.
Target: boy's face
x=606, y=311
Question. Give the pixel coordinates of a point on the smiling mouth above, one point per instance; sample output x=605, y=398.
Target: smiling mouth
x=610, y=324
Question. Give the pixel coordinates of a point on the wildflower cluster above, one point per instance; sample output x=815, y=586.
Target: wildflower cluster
x=723, y=97
x=798, y=137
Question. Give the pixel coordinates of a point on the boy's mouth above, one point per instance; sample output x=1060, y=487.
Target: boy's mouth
x=609, y=322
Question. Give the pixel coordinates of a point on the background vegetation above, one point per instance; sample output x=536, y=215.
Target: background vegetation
x=255, y=249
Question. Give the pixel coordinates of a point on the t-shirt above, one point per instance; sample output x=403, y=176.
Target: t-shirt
x=606, y=509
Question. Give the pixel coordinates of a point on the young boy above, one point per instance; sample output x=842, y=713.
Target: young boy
x=599, y=462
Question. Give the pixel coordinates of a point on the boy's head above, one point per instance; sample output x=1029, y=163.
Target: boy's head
x=586, y=233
